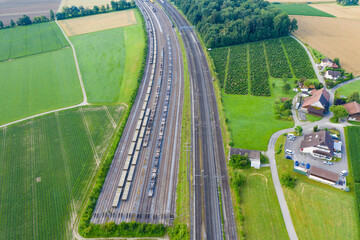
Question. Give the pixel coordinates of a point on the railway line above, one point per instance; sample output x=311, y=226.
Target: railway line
x=141, y=181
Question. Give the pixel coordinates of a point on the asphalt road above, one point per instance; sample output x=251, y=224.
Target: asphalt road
x=209, y=172
x=166, y=75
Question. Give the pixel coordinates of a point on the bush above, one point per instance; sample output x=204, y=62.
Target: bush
x=288, y=180
x=238, y=179
x=239, y=161
x=263, y=159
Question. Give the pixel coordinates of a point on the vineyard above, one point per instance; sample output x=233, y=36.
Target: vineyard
x=272, y=51
x=298, y=58
x=46, y=164
x=259, y=76
x=237, y=79
x=278, y=64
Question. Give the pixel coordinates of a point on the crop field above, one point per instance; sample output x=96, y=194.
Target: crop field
x=28, y=40
x=237, y=79
x=38, y=83
x=351, y=12
x=260, y=207
x=220, y=56
x=116, y=50
x=298, y=58
x=341, y=42
x=302, y=9
x=84, y=3
x=252, y=119
x=278, y=64
x=347, y=89
x=99, y=22
x=353, y=146
x=46, y=164
x=259, y=75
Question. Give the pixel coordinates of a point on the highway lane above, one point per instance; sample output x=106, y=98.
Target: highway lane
x=138, y=206
x=208, y=152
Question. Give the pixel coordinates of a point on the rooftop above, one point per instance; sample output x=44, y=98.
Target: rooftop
x=317, y=95
x=251, y=153
x=352, y=108
x=321, y=138
x=325, y=174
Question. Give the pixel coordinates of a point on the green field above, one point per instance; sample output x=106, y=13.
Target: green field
x=38, y=83
x=252, y=119
x=110, y=62
x=46, y=164
x=349, y=88
x=261, y=210
x=302, y=9
x=318, y=211
x=28, y=40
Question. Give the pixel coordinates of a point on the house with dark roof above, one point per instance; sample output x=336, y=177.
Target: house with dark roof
x=354, y=111
x=319, y=144
x=326, y=62
x=318, y=103
x=324, y=176
x=254, y=156
x=333, y=75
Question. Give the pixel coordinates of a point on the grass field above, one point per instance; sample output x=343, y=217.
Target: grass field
x=261, y=210
x=46, y=164
x=349, y=88
x=252, y=119
x=38, y=83
x=103, y=58
x=318, y=211
x=302, y=9
x=28, y=40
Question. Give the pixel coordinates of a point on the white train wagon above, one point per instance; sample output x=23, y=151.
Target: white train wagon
x=131, y=149
x=138, y=145
x=144, y=106
x=145, y=122
x=126, y=191
x=147, y=97
x=135, y=136
x=117, y=197
x=147, y=113
x=142, y=132
x=142, y=113
x=138, y=125
x=135, y=158
x=127, y=162
x=131, y=173
x=122, y=179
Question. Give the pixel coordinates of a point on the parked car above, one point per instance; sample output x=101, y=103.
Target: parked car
x=328, y=163
x=288, y=151
x=302, y=164
x=289, y=157
x=291, y=137
x=344, y=173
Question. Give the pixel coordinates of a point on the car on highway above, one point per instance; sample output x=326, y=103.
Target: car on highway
x=289, y=152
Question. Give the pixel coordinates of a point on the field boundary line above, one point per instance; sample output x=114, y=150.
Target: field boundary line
x=33, y=178
x=76, y=64
x=287, y=58
x=89, y=136
x=109, y=116
x=44, y=113
x=226, y=69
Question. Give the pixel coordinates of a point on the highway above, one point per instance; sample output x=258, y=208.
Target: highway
x=148, y=152
x=209, y=163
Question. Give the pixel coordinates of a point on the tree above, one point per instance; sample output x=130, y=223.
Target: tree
x=293, y=25
x=337, y=61
x=52, y=15
x=12, y=23
x=354, y=96
x=288, y=180
x=107, y=7
x=102, y=9
x=339, y=112
x=240, y=161
x=299, y=130
x=316, y=128
x=286, y=87
x=1, y=24
x=96, y=9
x=238, y=179
x=24, y=20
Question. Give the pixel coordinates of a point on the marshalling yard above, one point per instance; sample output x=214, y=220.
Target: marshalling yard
x=141, y=182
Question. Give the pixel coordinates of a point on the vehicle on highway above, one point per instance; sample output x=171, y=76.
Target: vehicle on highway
x=288, y=151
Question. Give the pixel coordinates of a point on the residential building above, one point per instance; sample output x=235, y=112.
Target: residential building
x=333, y=75
x=318, y=103
x=326, y=62
x=354, y=111
x=318, y=144
x=254, y=156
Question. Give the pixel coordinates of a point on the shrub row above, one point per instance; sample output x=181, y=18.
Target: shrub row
x=259, y=76
x=220, y=56
x=110, y=229
x=237, y=78
x=298, y=58
x=278, y=64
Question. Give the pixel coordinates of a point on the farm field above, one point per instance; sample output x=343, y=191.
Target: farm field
x=104, y=76
x=37, y=84
x=28, y=40
x=50, y=160
x=347, y=89
x=341, y=42
x=351, y=12
x=99, y=22
x=260, y=207
x=353, y=143
x=252, y=120
x=84, y=3
x=302, y=9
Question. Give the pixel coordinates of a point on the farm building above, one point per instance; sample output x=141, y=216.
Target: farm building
x=254, y=156
x=333, y=75
x=354, y=110
x=318, y=103
x=318, y=144
x=324, y=176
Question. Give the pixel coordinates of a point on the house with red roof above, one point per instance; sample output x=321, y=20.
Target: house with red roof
x=318, y=103
x=354, y=111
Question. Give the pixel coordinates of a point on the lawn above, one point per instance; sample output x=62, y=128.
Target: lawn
x=252, y=119
x=261, y=210
x=28, y=40
x=313, y=118
x=318, y=211
x=46, y=164
x=38, y=83
x=347, y=89
x=110, y=62
x=301, y=9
